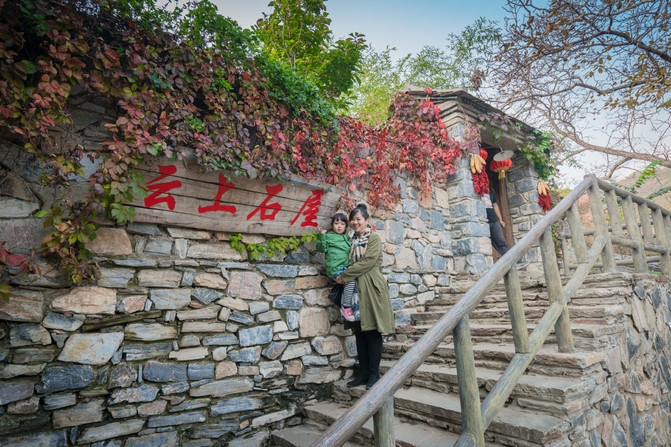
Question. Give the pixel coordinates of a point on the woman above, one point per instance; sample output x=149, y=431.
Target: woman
x=377, y=317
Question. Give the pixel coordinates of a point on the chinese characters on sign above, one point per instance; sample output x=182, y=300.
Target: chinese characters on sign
x=184, y=196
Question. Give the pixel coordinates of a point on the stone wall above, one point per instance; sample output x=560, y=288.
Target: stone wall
x=634, y=410
x=182, y=340
x=525, y=212
x=472, y=248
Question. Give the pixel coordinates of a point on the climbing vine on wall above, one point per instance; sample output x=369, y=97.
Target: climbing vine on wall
x=173, y=100
x=273, y=247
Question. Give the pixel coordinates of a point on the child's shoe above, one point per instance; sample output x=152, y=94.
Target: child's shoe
x=347, y=313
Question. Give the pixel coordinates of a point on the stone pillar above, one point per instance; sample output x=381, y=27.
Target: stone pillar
x=470, y=233
x=523, y=201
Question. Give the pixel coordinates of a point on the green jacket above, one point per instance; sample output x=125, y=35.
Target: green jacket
x=374, y=302
x=336, y=246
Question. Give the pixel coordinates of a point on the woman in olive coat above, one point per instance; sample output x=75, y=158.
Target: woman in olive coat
x=377, y=317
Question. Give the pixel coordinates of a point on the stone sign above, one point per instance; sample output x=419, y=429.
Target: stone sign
x=179, y=193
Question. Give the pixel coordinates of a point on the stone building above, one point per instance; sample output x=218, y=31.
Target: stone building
x=185, y=340
x=517, y=195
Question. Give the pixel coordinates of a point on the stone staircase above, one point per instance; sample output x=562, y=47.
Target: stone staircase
x=548, y=407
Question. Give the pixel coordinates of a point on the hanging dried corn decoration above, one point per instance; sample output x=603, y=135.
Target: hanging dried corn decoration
x=544, y=198
x=480, y=179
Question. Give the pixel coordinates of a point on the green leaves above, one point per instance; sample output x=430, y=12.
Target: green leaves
x=273, y=247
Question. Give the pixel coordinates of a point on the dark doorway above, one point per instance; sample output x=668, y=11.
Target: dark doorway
x=501, y=190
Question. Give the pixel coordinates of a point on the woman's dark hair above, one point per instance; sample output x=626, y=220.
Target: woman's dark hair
x=360, y=208
x=339, y=217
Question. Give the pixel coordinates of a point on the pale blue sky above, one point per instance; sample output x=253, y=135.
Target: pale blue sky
x=403, y=24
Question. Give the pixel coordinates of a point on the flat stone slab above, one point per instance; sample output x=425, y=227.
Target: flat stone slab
x=109, y=431
x=91, y=349
x=87, y=300
x=22, y=306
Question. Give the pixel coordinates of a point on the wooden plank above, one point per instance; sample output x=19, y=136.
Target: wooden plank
x=614, y=213
x=629, y=212
x=469, y=392
x=577, y=236
x=660, y=237
x=516, y=309
x=556, y=291
x=646, y=227
x=565, y=254
x=383, y=424
x=179, y=193
x=600, y=226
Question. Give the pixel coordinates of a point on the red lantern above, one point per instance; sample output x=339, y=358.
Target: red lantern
x=483, y=154
x=501, y=167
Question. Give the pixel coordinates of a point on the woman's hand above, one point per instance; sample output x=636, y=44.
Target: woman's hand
x=338, y=280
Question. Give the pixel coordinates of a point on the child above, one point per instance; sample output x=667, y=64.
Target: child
x=336, y=246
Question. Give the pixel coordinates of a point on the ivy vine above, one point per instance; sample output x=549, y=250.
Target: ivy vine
x=175, y=97
x=538, y=147
x=273, y=247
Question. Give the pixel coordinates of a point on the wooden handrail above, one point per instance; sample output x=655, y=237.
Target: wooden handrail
x=348, y=424
x=475, y=422
x=624, y=194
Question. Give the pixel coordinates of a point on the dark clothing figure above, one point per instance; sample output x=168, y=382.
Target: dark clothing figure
x=495, y=229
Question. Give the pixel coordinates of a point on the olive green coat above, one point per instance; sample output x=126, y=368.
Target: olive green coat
x=374, y=302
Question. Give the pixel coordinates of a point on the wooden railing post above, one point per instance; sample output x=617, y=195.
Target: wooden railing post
x=646, y=228
x=516, y=309
x=640, y=262
x=614, y=213
x=469, y=394
x=565, y=254
x=600, y=226
x=660, y=235
x=577, y=235
x=383, y=422
x=556, y=291
x=667, y=227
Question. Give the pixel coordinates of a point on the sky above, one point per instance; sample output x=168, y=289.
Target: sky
x=405, y=25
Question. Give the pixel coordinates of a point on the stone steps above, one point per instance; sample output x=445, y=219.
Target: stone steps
x=553, y=394
x=602, y=296
x=558, y=396
x=323, y=414
x=609, y=314
x=300, y=435
x=585, y=336
x=511, y=426
x=498, y=356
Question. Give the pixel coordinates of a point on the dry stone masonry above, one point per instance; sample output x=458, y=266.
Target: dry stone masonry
x=183, y=340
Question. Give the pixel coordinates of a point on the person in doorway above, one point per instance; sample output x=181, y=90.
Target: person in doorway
x=376, y=315
x=496, y=226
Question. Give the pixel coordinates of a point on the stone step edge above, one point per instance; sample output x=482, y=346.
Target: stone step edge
x=578, y=329
x=577, y=359
x=608, y=310
x=406, y=433
x=301, y=435
x=537, y=386
x=511, y=421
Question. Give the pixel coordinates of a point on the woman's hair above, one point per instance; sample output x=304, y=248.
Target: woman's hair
x=339, y=216
x=360, y=208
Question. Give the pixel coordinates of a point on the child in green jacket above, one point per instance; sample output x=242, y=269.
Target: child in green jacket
x=336, y=246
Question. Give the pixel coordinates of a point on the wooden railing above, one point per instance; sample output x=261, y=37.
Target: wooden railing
x=477, y=416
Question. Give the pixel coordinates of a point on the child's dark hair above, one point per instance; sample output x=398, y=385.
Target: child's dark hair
x=339, y=216
x=360, y=208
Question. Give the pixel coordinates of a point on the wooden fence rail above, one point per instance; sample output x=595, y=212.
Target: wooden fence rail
x=649, y=232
